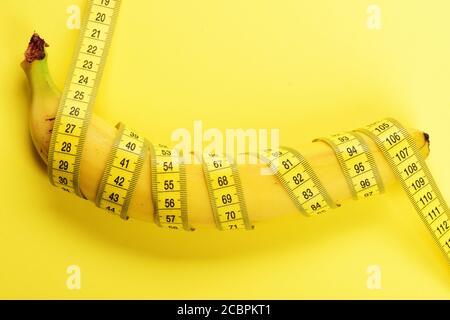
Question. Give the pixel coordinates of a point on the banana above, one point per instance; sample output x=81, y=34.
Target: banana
x=265, y=196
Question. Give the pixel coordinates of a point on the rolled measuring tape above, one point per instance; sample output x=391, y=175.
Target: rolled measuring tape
x=299, y=180
x=122, y=172
x=169, y=188
x=410, y=168
x=357, y=164
x=225, y=193
x=75, y=108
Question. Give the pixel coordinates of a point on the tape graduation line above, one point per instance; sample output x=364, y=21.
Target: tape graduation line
x=122, y=172
x=75, y=108
x=299, y=180
x=169, y=188
x=225, y=193
x=409, y=165
x=357, y=164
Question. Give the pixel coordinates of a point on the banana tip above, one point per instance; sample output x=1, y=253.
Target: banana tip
x=36, y=49
x=427, y=137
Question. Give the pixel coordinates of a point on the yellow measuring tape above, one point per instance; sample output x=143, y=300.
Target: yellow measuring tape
x=122, y=172
x=299, y=180
x=222, y=177
x=408, y=164
x=75, y=108
x=169, y=188
x=357, y=164
x=225, y=193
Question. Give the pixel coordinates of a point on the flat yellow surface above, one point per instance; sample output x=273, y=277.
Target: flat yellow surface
x=307, y=67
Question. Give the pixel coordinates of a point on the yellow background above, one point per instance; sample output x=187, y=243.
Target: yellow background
x=307, y=67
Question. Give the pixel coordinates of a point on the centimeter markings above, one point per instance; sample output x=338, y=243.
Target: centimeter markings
x=357, y=164
x=122, y=172
x=75, y=108
x=225, y=192
x=169, y=188
x=299, y=180
x=408, y=164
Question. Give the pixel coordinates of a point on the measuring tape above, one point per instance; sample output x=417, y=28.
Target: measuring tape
x=357, y=164
x=225, y=193
x=122, y=172
x=168, y=172
x=299, y=180
x=75, y=108
x=169, y=188
x=410, y=168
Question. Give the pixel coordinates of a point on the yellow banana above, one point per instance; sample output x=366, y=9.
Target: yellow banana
x=265, y=196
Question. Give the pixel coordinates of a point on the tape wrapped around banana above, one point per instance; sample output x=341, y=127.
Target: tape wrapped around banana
x=317, y=174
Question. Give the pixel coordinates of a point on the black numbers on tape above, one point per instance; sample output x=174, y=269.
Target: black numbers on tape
x=109, y=208
x=286, y=164
x=114, y=197
x=343, y=139
x=217, y=164
x=101, y=17
x=226, y=198
x=410, y=169
x=79, y=95
x=169, y=203
x=70, y=127
x=434, y=213
x=364, y=183
x=83, y=79
x=74, y=111
x=66, y=146
x=134, y=135
x=427, y=197
x=130, y=146
x=402, y=154
x=316, y=206
x=105, y=2
x=95, y=33
x=125, y=162
x=170, y=218
x=419, y=183
x=382, y=127
x=352, y=151
x=168, y=185
x=63, y=165
x=230, y=215
x=277, y=154
x=62, y=180
x=167, y=166
x=368, y=194
x=298, y=178
x=359, y=167
x=393, y=138
x=91, y=49
x=88, y=64
x=166, y=152
x=307, y=194
x=119, y=180
x=443, y=227
x=222, y=181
